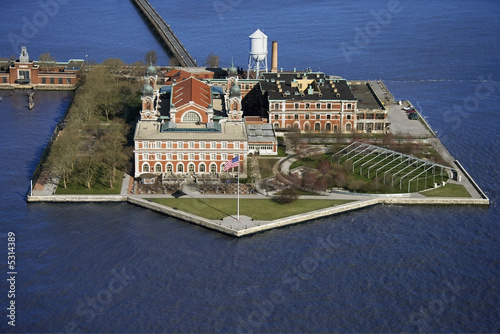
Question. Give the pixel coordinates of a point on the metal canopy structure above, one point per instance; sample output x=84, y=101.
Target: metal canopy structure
x=397, y=168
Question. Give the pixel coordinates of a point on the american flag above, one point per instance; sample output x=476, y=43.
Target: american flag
x=235, y=162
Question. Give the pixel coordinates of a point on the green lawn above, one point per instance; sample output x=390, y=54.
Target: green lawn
x=258, y=209
x=449, y=190
x=98, y=188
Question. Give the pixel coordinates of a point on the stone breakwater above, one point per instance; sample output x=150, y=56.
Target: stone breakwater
x=247, y=226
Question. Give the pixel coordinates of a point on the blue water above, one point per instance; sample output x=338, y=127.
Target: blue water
x=119, y=268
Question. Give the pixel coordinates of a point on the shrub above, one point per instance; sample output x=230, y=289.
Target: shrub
x=286, y=196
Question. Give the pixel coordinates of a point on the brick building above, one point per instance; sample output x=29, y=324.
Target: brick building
x=41, y=74
x=190, y=138
x=309, y=101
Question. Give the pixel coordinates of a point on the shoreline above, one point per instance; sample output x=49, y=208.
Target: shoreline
x=247, y=226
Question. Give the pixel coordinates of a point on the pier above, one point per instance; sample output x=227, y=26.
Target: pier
x=165, y=33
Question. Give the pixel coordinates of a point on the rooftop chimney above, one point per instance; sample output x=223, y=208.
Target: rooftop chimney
x=274, y=60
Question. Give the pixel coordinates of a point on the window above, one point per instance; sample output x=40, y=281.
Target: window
x=158, y=156
x=145, y=168
x=276, y=106
x=169, y=168
x=191, y=144
x=169, y=156
x=145, y=156
x=328, y=116
x=296, y=106
x=158, y=144
x=361, y=116
x=202, y=156
x=213, y=144
x=68, y=81
x=213, y=156
x=202, y=144
x=202, y=168
x=60, y=81
x=380, y=116
x=170, y=144
x=24, y=74
x=180, y=144
x=180, y=156
x=224, y=144
x=224, y=156
x=44, y=80
x=307, y=116
x=191, y=168
x=317, y=127
x=348, y=116
x=296, y=116
x=236, y=144
x=318, y=105
x=308, y=105
x=191, y=156
x=51, y=81
x=213, y=168
x=328, y=106
x=318, y=116
x=328, y=127
x=276, y=116
x=349, y=106
x=180, y=168
x=191, y=117
x=307, y=127
x=348, y=127
x=158, y=168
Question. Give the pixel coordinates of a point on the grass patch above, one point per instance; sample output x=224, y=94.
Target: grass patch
x=266, y=166
x=258, y=209
x=98, y=188
x=449, y=190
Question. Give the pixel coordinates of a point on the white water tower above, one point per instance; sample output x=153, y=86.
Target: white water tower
x=257, y=60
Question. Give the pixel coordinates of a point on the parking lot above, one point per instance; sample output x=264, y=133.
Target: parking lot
x=401, y=125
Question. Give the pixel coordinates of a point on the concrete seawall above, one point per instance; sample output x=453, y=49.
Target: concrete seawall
x=248, y=226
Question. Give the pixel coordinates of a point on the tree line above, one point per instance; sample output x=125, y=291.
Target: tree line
x=93, y=144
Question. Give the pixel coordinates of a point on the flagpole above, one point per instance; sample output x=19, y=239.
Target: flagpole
x=238, y=213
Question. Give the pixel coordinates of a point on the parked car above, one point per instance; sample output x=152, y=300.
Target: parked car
x=407, y=108
x=413, y=116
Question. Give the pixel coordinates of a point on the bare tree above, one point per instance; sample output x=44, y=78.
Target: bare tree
x=212, y=60
x=151, y=57
x=286, y=196
x=46, y=61
x=113, y=150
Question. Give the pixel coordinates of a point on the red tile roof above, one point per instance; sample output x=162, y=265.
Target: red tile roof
x=191, y=90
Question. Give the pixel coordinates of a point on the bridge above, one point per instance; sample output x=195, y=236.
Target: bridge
x=166, y=34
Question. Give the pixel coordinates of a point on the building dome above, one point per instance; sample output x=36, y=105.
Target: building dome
x=151, y=70
x=147, y=90
x=235, y=90
x=232, y=71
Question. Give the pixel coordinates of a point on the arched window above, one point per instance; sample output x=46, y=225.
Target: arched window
x=296, y=125
x=169, y=168
x=335, y=128
x=145, y=168
x=328, y=127
x=213, y=168
x=191, y=117
x=202, y=168
x=180, y=168
x=191, y=168
x=158, y=168
x=348, y=127
x=276, y=125
x=307, y=127
x=317, y=127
